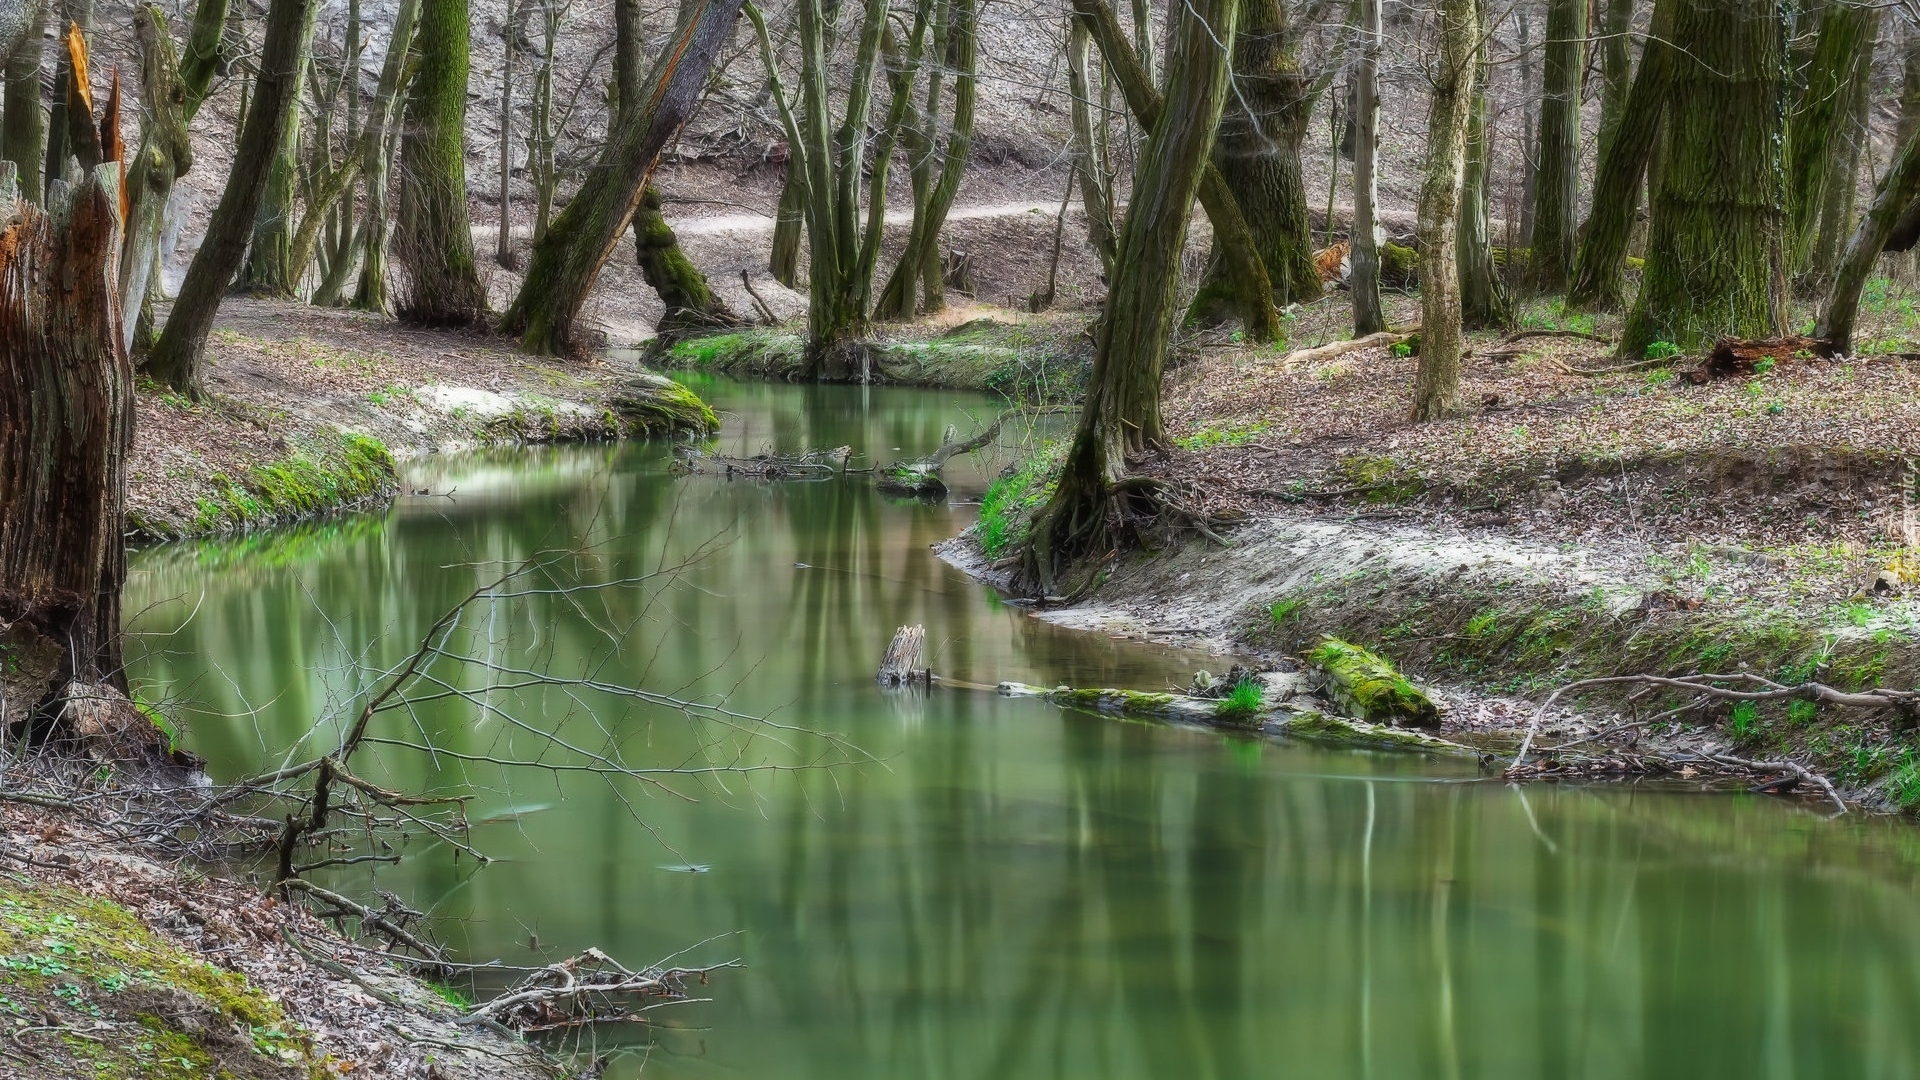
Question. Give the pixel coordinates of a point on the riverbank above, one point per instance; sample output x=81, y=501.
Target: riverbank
x=1569, y=526
x=118, y=965
x=310, y=407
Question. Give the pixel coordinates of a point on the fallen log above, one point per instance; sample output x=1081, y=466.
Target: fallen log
x=1385, y=339
x=1368, y=688
x=1742, y=357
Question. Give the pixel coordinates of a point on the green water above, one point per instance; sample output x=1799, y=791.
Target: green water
x=1002, y=889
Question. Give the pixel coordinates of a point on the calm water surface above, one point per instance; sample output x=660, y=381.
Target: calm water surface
x=1005, y=889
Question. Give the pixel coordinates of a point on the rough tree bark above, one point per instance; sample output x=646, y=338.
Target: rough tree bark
x=269, y=269
x=1557, y=180
x=1846, y=32
x=1483, y=295
x=23, y=139
x=432, y=239
x=1893, y=199
x=568, y=258
x=377, y=146
x=1364, y=280
x=1842, y=179
x=1095, y=194
x=1121, y=416
x=1716, y=259
x=1599, y=278
x=1436, y=382
x=1230, y=231
x=1616, y=66
x=176, y=357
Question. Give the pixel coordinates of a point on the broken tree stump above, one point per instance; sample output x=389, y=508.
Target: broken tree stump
x=901, y=665
x=1742, y=357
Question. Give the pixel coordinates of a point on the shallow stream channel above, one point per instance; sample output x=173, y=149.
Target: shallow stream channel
x=957, y=884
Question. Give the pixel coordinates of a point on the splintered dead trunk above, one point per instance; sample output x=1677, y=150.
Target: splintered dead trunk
x=432, y=239
x=1258, y=153
x=1368, y=317
x=1557, y=181
x=1599, y=272
x=23, y=139
x=1436, y=384
x=1716, y=259
x=1121, y=416
x=176, y=357
x=567, y=260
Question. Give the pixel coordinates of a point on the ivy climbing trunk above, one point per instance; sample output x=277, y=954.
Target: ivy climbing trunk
x=1716, y=259
x=176, y=358
x=1436, y=383
x=1258, y=154
x=1121, y=415
x=1599, y=272
x=568, y=258
x=1556, y=189
x=432, y=239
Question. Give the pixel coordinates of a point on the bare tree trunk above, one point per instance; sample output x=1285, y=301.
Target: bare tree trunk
x=1095, y=195
x=1557, y=183
x=1121, y=416
x=432, y=238
x=1436, y=384
x=269, y=268
x=503, y=239
x=1530, y=127
x=58, y=163
x=23, y=140
x=568, y=258
x=1599, y=282
x=165, y=154
x=1843, y=175
x=1616, y=67
x=1894, y=197
x=919, y=265
x=1483, y=296
x=177, y=356
x=377, y=146
x=1716, y=258
x=1846, y=34
x=1368, y=317
x=541, y=148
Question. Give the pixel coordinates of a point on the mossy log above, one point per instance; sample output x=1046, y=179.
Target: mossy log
x=654, y=405
x=1368, y=688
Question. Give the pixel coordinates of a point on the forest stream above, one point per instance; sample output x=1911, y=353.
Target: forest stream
x=966, y=885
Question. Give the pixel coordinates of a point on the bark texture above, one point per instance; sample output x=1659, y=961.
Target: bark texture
x=176, y=357
x=691, y=303
x=1096, y=189
x=920, y=261
x=568, y=258
x=1483, y=295
x=270, y=270
x=1599, y=277
x=1121, y=416
x=1364, y=280
x=1557, y=182
x=165, y=154
x=1818, y=125
x=378, y=142
x=433, y=240
x=1893, y=200
x=1436, y=383
x=1716, y=259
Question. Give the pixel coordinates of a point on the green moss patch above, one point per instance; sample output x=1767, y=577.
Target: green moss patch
x=1367, y=686
x=650, y=405
x=767, y=353
x=324, y=472
x=1006, y=510
x=118, y=1000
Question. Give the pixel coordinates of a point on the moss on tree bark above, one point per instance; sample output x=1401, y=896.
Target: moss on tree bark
x=432, y=238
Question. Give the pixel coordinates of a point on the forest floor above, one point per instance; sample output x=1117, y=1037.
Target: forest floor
x=1565, y=526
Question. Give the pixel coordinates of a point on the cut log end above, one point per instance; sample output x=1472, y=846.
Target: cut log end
x=901, y=666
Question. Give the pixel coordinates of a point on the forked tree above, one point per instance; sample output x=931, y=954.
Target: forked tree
x=1094, y=497
x=937, y=167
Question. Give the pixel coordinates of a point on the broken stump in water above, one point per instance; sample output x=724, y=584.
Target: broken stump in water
x=901, y=665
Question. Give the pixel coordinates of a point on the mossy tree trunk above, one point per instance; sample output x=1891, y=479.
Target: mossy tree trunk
x=1436, y=383
x=568, y=259
x=1843, y=172
x=269, y=270
x=1233, y=239
x=1893, y=198
x=1556, y=189
x=1258, y=154
x=1483, y=295
x=177, y=356
x=1599, y=278
x=378, y=142
x=1364, y=279
x=1846, y=32
x=63, y=460
x=23, y=136
x=1716, y=258
x=432, y=238
x=1096, y=193
x=919, y=265
x=1616, y=66
x=1121, y=416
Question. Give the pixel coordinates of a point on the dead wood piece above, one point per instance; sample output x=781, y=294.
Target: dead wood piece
x=1737, y=358
x=1385, y=339
x=901, y=666
x=759, y=302
x=586, y=989
x=1523, y=335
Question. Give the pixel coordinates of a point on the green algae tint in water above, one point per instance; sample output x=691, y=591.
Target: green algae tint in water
x=1007, y=890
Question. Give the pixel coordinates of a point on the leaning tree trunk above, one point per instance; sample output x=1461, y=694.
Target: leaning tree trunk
x=1258, y=154
x=23, y=139
x=919, y=266
x=269, y=270
x=1095, y=195
x=1843, y=172
x=1716, y=259
x=1846, y=33
x=1121, y=416
x=1599, y=277
x=1895, y=196
x=1230, y=232
x=177, y=356
x=1557, y=181
x=432, y=239
x=1483, y=296
x=691, y=304
x=1436, y=383
x=1368, y=316
x=377, y=141
x=568, y=258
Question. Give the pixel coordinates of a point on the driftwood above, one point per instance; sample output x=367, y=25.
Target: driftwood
x=902, y=665
x=1385, y=339
x=921, y=476
x=589, y=988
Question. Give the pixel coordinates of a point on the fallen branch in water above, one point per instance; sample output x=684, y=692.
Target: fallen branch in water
x=585, y=990
x=922, y=475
